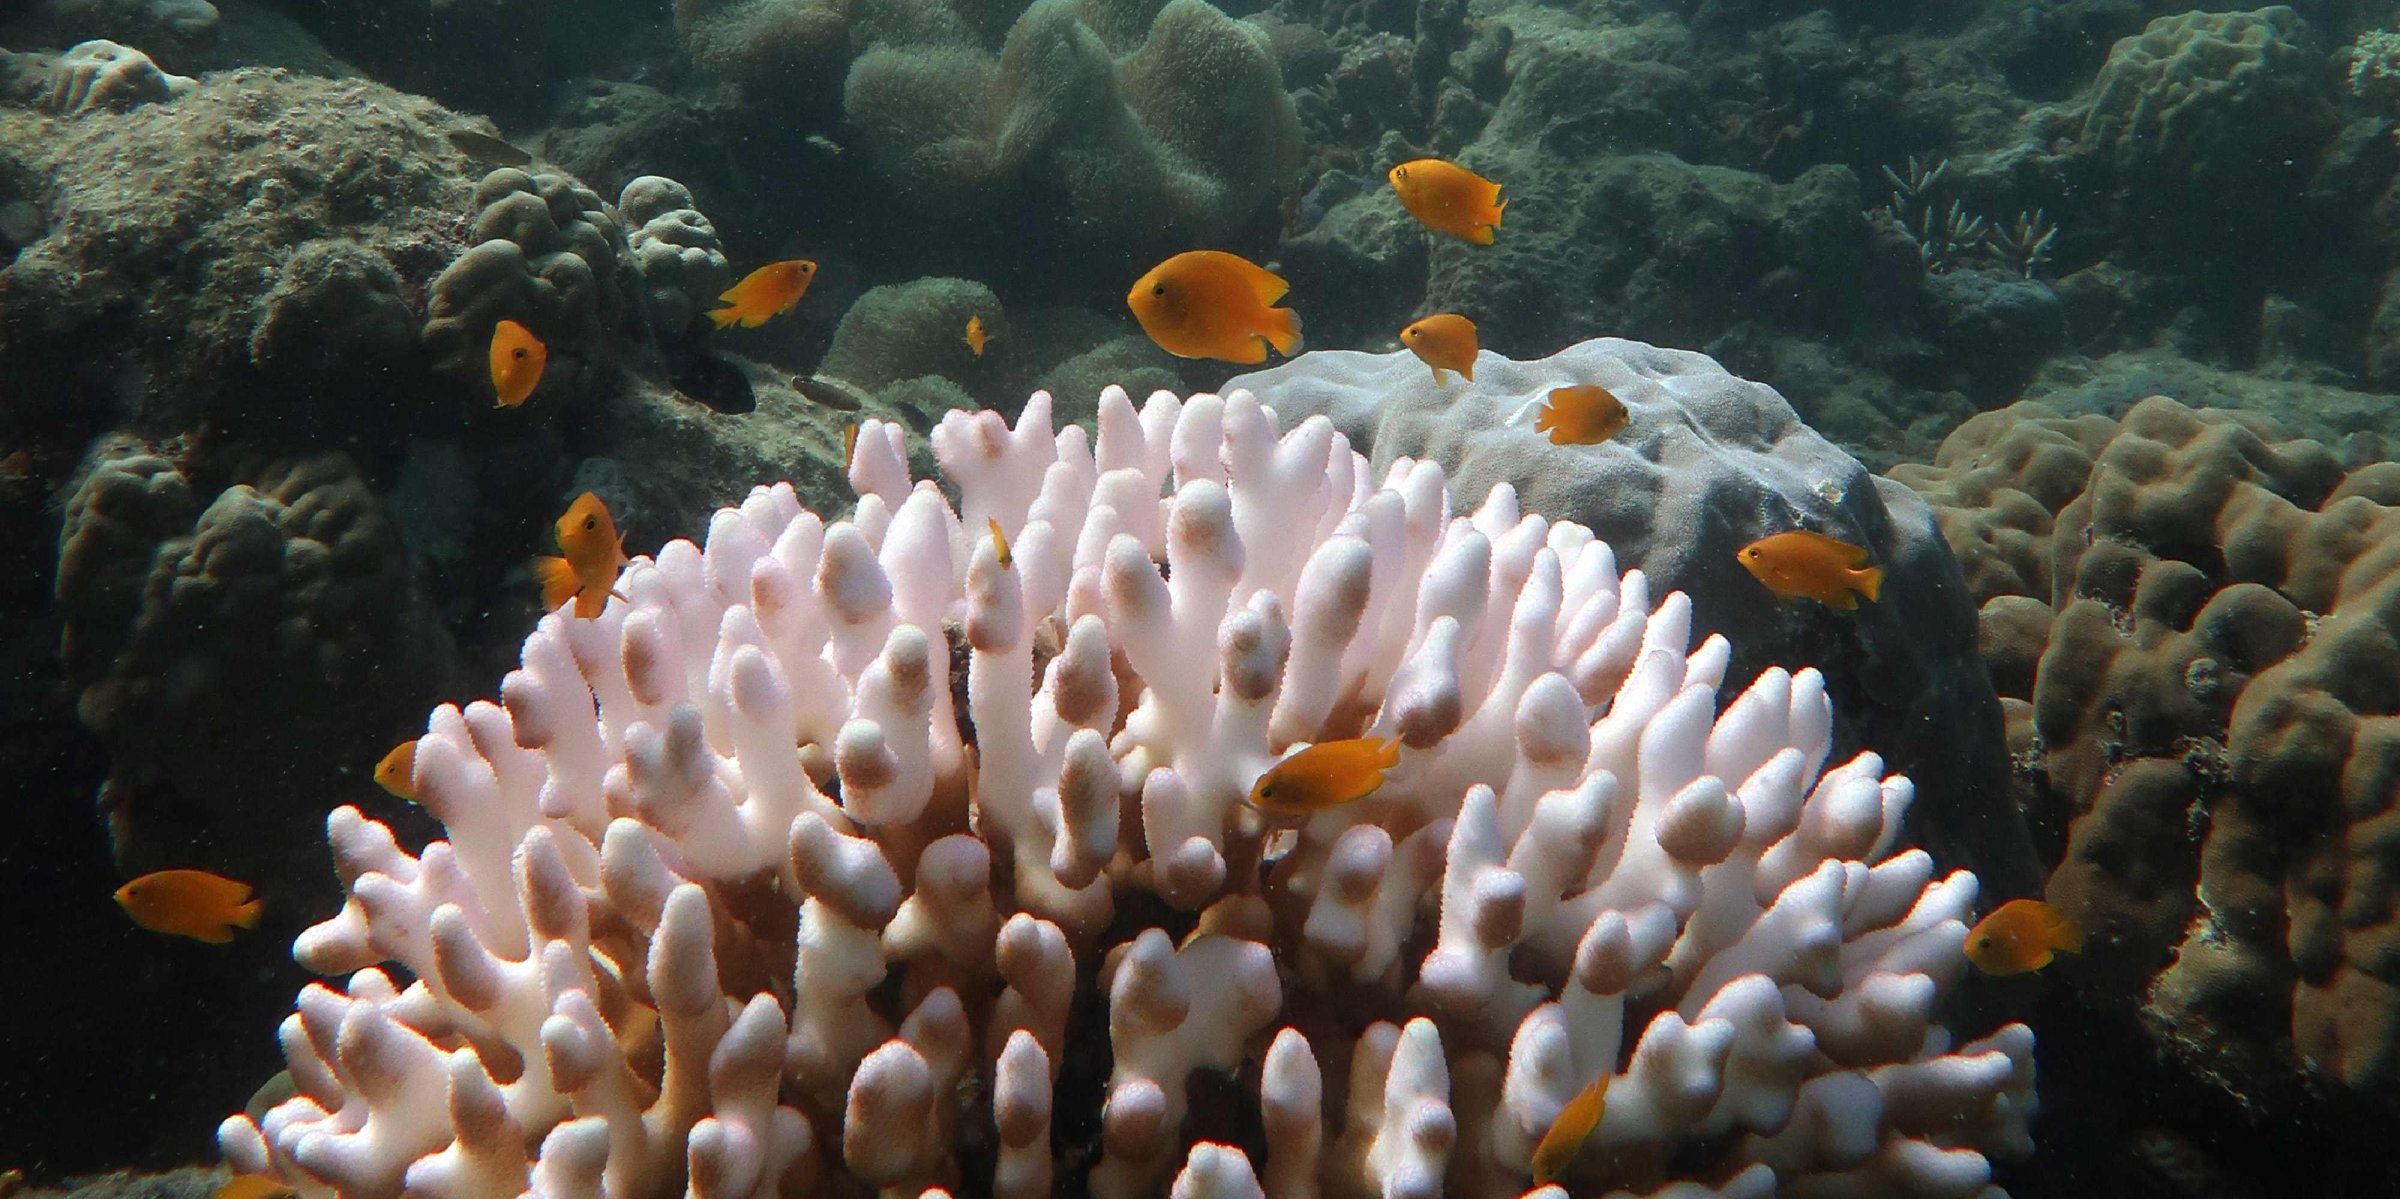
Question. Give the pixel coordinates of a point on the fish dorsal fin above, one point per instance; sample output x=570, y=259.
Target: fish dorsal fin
x=1263, y=283
x=1851, y=555
x=2065, y=933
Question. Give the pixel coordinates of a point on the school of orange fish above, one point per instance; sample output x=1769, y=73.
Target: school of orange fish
x=1197, y=304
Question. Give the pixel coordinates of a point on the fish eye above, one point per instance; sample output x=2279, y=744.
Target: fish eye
x=518, y=353
x=1984, y=942
x=591, y=524
x=1158, y=289
x=1400, y=172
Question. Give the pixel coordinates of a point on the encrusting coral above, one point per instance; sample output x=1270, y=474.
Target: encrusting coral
x=810, y=858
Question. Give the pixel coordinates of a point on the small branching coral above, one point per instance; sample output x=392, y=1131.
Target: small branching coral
x=2021, y=246
x=857, y=855
x=1950, y=238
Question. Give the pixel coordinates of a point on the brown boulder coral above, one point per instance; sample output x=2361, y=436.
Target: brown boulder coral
x=2211, y=719
x=207, y=630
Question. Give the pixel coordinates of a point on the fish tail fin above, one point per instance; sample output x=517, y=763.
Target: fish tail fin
x=1388, y=754
x=246, y=916
x=1283, y=331
x=1499, y=208
x=558, y=581
x=1870, y=583
x=724, y=317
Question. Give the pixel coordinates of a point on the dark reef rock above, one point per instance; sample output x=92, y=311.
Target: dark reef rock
x=1994, y=329
x=165, y=231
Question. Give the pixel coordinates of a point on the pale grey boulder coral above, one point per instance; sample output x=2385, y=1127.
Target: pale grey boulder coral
x=1710, y=463
x=103, y=74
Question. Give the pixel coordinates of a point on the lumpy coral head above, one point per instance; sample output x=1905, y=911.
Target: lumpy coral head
x=843, y=850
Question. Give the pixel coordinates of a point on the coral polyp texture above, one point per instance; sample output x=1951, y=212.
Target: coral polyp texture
x=866, y=855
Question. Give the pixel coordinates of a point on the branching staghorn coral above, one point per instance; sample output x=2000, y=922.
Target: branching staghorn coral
x=1948, y=239
x=2019, y=248
x=790, y=872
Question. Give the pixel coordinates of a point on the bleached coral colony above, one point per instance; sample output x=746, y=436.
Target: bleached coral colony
x=852, y=855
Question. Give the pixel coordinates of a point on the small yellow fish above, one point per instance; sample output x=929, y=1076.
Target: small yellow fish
x=849, y=445
x=1445, y=341
x=1566, y=1135
x=190, y=903
x=2022, y=935
x=1805, y=565
x=255, y=1186
x=976, y=337
x=999, y=543
x=1210, y=304
x=1448, y=198
x=517, y=360
x=1325, y=775
x=1585, y=414
x=594, y=551
x=764, y=293
x=396, y=773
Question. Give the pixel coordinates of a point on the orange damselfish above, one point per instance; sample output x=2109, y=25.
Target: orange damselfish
x=1567, y=1133
x=1210, y=304
x=2022, y=935
x=594, y=551
x=396, y=773
x=1448, y=198
x=1805, y=565
x=763, y=293
x=1324, y=775
x=1585, y=414
x=190, y=903
x=976, y=337
x=999, y=544
x=517, y=360
x=1445, y=341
